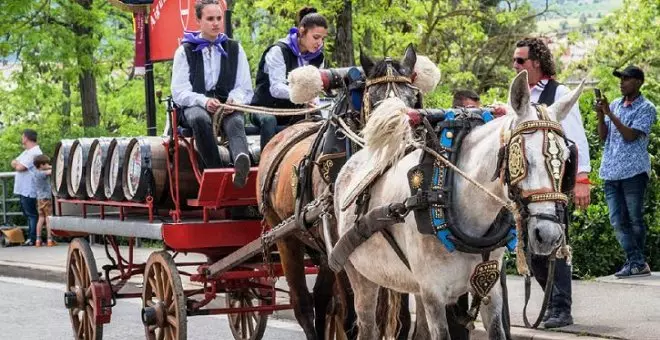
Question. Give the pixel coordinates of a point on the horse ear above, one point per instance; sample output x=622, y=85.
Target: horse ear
x=519, y=94
x=409, y=59
x=560, y=109
x=366, y=62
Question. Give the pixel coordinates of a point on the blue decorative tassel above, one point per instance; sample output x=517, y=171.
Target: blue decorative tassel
x=513, y=240
x=443, y=236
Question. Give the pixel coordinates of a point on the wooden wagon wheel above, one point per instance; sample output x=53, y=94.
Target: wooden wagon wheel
x=163, y=301
x=247, y=325
x=80, y=273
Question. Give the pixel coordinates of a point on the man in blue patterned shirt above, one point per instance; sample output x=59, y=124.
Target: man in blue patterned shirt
x=624, y=126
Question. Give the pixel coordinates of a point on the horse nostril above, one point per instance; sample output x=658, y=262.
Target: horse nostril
x=537, y=232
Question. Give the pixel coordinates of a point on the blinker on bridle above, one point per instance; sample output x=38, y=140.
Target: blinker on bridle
x=392, y=91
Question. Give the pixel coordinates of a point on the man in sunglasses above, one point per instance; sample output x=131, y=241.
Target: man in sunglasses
x=533, y=55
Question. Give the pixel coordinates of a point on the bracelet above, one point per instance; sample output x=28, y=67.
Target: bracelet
x=583, y=180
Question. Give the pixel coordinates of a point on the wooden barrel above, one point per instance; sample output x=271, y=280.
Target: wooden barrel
x=60, y=166
x=114, y=165
x=95, y=168
x=75, y=175
x=145, y=171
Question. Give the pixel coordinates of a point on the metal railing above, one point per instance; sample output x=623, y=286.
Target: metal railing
x=7, y=197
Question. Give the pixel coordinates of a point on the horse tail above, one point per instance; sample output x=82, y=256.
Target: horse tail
x=393, y=311
x=387, y=132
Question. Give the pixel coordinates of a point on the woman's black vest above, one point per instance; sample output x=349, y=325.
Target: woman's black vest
x=228, y=66
x=262, y=96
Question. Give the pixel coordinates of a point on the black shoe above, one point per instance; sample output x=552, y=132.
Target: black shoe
x=549, y=313
x=561, y=319
x=242, y=169
x=28, y=243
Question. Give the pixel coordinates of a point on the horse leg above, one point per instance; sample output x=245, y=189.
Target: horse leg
x=491, y=314
x=421, y=331
x=322, y=297
x=436, y=314
x=366, y=299
x=291, y=255
x=345, y=293
x=383, y=311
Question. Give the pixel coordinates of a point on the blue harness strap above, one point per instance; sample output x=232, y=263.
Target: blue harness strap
x=438, y=219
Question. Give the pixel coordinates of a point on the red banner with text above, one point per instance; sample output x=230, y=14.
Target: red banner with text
x=167, y=21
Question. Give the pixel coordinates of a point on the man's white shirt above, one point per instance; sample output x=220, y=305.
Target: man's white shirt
x=572, y=124
x=182, y=91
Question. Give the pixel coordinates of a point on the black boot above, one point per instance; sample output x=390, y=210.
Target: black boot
x=242, y=169
x=548, y=314
x=559, y=319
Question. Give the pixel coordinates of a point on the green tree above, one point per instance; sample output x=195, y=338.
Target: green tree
x=629, y=37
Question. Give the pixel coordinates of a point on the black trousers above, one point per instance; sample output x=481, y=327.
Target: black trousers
x=561, y=298
x=270, y=125
x=233, y=125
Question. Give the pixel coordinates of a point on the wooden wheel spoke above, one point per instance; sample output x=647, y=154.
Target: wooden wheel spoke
x=152, y=285
x=90, y=321
x=171, y=309
x=173, y=321
x=250, y=319
x=80, y=267
x=243, y=324
x=78, y=280
x=168, y=293
x=255, y=317
x=164, y=282
x=237, y=321
x=81, y=326
x=161, y=334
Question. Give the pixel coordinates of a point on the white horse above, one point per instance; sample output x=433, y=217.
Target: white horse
x=438, y=277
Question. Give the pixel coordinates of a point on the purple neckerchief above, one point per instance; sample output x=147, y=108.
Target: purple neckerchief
x=196, y=39
x=292, y=42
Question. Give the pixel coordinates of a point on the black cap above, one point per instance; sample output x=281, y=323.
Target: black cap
x=630, y=72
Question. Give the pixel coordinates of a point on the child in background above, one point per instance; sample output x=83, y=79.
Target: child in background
x=41, y=172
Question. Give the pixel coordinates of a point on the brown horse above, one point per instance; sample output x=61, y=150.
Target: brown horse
x=285, y=151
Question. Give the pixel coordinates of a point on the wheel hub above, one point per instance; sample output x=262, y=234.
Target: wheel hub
x=154, y=315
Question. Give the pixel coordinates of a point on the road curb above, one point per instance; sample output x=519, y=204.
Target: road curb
x=44, y=273
x=47, y=275
x=522, y=333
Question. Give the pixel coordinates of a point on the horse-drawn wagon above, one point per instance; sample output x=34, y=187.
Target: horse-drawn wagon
x=151, y=188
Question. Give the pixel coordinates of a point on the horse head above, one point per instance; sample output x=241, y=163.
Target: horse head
x=536, y=154
x=389, y=78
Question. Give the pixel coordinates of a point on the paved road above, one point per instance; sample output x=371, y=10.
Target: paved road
x=34, y=310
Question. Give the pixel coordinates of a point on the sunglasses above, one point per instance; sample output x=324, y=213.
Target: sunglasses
x=520, y=61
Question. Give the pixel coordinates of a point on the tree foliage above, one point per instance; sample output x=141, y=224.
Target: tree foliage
x=73, y=73
x=627, y=36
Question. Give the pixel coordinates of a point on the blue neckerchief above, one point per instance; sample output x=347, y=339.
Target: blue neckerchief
x=292, y=42
x=195, y=38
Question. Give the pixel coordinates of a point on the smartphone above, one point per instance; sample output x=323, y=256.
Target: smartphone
x=597, y=93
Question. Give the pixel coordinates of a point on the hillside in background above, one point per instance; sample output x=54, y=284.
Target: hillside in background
x=569, y=15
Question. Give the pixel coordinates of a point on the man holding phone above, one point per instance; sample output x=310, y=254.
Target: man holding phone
x=624, y=126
